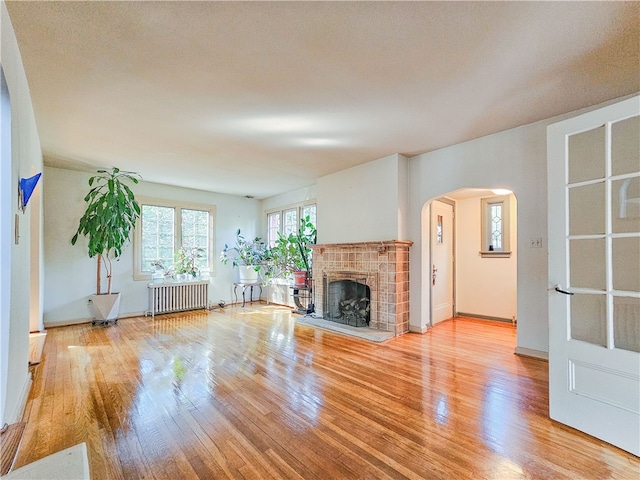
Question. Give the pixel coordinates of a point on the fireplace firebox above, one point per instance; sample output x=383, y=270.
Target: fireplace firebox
x=347, y=300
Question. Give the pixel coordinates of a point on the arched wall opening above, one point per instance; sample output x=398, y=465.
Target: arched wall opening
x=485, y=282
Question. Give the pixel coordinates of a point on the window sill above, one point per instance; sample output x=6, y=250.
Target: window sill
x=494, y=254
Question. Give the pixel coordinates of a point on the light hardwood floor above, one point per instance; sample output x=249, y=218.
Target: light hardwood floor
x=248, y=393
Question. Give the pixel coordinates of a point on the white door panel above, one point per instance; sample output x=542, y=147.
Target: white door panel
x=594, y=257
x=441, y=261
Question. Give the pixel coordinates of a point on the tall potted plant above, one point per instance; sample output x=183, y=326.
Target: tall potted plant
x=292, y=255
x=108, y=221
x=247, y=255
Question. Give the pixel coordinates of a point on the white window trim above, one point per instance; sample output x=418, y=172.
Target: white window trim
x=485, y=205
x=138, y=274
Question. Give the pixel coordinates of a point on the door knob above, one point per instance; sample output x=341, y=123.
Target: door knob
x=560, y=290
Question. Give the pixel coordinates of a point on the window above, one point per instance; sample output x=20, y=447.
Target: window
x=164, y=227
x=495, y=227
x=288, y=220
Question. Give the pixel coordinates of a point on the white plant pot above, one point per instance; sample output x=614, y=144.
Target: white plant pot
x=247, y=274
x=105, y=307
x=182, y=277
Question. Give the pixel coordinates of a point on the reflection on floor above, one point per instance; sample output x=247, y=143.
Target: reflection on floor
x=366, y=333
x=254, y=393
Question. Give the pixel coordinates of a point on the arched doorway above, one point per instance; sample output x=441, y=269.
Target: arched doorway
x=483, y=258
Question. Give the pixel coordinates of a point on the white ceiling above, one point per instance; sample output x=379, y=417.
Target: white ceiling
x=260, y=98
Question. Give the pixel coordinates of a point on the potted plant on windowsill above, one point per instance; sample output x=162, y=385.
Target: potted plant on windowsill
x=247, y=255
x=185, y=261
x=108, y=221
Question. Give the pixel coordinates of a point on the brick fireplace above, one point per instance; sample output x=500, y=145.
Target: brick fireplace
x=382, y=266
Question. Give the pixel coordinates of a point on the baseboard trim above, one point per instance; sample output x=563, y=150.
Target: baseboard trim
x=530, y=352
x=484, y=317
x=22, y=401
x=80, y=321
x=417, y=329
x=66, y=323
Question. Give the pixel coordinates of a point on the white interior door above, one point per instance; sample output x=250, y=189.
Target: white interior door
x=594, y=273
x=441, y=261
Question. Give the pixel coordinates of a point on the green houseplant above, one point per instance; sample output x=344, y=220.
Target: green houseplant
x=247, y=255
x=108, y=221
x=185, y=261
x=292, y=253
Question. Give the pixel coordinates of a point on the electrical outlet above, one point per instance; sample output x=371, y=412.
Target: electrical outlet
x=535, y=243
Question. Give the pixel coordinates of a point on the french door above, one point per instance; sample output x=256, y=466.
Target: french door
x=594, y=273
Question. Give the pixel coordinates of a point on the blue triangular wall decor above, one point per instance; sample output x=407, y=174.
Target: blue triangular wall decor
x=27, y=185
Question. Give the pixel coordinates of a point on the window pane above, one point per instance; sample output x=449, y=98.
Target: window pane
x=495, y=223
x=195, y=234
x=273, y=227
x=309, y=211
x=157, y=236
x=290, y=222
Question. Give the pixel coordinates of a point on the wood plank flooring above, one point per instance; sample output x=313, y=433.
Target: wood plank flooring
x=248, y=393
x=10, y=436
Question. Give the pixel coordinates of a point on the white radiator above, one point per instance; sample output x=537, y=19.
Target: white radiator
x=177, y=297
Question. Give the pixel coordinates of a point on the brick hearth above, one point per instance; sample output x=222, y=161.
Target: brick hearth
x=386, y=267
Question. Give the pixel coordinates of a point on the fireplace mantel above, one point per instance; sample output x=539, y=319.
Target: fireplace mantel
x=386, y=264
x=382, y=245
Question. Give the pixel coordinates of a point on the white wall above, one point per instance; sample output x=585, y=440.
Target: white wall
x=484, y=286
x=363, y=203
x=16, y=267
x=70, y=273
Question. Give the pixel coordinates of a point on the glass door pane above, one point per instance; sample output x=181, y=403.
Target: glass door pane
x=592, y=273
x=625, y=205
x=586, y=155
x=625, y=146
x=588, y=319
x=587, y=209
x=626, y=323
